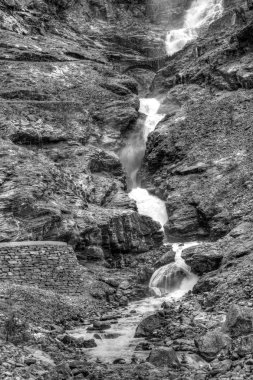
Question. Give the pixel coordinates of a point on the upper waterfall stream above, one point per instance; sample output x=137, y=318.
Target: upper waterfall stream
x=201, y=13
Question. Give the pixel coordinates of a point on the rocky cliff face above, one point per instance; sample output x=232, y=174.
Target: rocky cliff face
x=199, y=157
x=64, y=114
x=66, y=109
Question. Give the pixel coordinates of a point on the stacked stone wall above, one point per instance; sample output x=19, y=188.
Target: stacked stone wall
x=51, y=265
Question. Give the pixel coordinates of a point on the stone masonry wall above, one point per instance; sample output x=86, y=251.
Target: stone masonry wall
x=51, y=265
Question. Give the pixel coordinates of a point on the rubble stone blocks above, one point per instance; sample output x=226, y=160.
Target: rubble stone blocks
x=47, y=264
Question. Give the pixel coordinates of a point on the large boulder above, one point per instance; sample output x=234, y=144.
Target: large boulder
x=202, y=258
x=183, y=223
x=163, y=357
x=210, y=344
x=239, y=321
x=148, y=325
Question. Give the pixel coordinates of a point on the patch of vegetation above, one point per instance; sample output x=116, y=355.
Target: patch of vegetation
x=62, y=5
x=15, y=329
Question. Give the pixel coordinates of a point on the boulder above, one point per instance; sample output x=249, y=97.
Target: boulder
x=89, y=343
x=97, y=325
x=245, y=345
x=148, y=325
x=210, y=344
x=163, y=357
x=112, y=335
x=77, y=342
x=239, y=321
x=183, y=223
x=94, y=253
x=203, y=258
x=220, y=366
x=167, y=258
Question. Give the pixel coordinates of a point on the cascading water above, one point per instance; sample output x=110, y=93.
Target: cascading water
x=173, y=280
x=132, y=154
x=124, y=342
x=201, y=13
x=131, y=158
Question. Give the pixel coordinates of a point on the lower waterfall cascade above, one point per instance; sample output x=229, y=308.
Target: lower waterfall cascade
x=123, y=330
x=168, y=283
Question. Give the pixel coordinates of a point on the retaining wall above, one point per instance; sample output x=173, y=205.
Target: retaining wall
x=51, y=265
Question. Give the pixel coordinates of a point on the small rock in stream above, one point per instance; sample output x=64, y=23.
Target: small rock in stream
x=97, y=325
x=110, y=316
x=112, y=335
x=97, y=336
x=119, y=361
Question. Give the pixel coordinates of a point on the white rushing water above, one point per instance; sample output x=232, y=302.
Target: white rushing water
x=201, y=13
x=149, y=205
x=174, y=279
x=132, y=156
x=118, y=341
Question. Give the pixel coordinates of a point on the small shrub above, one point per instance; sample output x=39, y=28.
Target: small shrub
x=15, y=330
x=62, y=5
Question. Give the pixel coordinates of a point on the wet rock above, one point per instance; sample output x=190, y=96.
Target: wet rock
x=77, y=342
x=98, y=325
x=239, y=321
x=148, y=325
x=88, y=343
x=112, y=335
x=110, y=316
x=210, y=344
x=167, y=258
x=163, y=357
x=97, y=336
x=119, y=361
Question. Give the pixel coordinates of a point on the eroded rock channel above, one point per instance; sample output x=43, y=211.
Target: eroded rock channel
x=126, y=170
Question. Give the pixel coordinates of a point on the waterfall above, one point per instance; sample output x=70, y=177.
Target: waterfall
x=131, y=157
x=174, y=279
x=132, y=154
x=201, y=13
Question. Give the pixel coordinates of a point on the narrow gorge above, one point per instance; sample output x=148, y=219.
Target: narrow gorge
x=126, y=208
